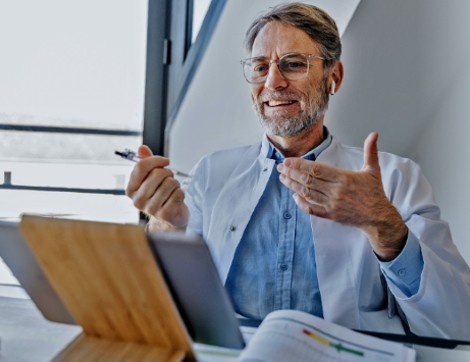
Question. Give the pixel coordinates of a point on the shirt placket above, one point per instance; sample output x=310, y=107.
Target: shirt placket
x=285, y=252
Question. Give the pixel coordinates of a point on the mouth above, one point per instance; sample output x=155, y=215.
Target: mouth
x=279, y=103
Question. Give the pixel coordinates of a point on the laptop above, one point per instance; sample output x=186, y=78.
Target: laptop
x=16, y=254
x=186, y=265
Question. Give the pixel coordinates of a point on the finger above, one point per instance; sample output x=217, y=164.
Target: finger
x=371, y=154
x=148, y=187
x=309, y=207
x=147, y=165
x=144, y=168
x=310, y=192
x=144, y=151
x=301, y=176
x=172, y=209
x=295, y=167
x=161, y=195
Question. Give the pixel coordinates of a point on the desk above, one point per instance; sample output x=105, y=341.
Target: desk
x=430, y=354
x=26, y=336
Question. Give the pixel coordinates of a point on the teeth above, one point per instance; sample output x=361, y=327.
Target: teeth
x=274, y=103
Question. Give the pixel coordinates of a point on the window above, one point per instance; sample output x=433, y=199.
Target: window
x=198, y=13
x=185, y=40
x=72, y=92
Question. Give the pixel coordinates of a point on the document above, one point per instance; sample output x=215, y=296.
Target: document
x=289, y=335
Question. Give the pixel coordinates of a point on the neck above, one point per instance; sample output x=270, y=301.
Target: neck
x=300, y=144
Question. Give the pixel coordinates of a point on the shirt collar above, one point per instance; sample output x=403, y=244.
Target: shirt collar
x=273, y=153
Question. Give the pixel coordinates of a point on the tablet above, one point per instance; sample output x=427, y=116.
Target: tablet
x=17, y=256
x=196, y=287
x=186, y=265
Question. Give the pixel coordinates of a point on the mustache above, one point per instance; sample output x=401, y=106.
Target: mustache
x=267, y=96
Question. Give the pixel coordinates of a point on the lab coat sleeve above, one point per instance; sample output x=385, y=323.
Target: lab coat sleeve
x=440, y=306
x=194, y=189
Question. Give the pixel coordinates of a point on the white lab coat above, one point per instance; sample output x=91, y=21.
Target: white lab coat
x=225, y=190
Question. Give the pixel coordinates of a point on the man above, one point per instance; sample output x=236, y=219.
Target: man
x=301, y=221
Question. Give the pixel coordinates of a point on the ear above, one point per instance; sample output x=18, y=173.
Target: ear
x=336, y=77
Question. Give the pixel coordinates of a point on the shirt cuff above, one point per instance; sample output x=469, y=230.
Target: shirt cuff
x=405, y=270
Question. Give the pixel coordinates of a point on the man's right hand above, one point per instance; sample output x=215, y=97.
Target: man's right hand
x=155, y=191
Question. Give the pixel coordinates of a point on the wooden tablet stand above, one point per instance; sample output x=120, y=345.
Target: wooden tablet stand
x=111, y=284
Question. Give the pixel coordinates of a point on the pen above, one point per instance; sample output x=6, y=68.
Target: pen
x=134, y=157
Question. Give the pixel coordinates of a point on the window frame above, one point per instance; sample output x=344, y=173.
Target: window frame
x=7, y=185
x=172, y=61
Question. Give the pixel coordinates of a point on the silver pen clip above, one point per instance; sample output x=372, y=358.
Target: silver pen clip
x=134, y=157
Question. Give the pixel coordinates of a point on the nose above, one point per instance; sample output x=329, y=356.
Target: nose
x=275, y=79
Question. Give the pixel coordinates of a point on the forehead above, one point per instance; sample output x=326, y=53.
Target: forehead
x=276, y=39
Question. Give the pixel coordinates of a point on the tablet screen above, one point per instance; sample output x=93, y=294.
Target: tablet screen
x=202, y=300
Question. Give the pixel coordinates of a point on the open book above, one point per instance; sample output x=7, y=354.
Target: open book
x=289, y=335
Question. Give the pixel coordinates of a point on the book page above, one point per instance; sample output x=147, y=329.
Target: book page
x=289, y=335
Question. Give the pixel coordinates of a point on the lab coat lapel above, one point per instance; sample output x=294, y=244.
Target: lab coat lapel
x=335, y=271
x=242, y=192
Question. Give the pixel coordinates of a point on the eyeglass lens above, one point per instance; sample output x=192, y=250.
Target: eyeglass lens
x=291, y=66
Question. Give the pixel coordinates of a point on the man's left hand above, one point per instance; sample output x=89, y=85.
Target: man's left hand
x=355, y=198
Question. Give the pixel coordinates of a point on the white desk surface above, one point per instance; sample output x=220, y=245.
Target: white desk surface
x=26, y=336
x=431, y=354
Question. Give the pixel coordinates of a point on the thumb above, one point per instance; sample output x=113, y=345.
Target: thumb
x=371, y=155
x=144, y=151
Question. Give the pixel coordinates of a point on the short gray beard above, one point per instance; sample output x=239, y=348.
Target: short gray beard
x=315, y=110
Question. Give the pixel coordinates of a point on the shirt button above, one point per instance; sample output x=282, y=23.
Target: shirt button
x=233, y=228
x=402, y=272
x=287, y=215
x=283, y=267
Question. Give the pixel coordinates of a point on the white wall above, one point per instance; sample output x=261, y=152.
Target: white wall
x=443, y=148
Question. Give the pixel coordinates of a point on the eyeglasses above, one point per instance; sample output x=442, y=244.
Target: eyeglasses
x=293, y=66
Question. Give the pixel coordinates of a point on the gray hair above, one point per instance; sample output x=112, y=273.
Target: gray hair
x=309, y=18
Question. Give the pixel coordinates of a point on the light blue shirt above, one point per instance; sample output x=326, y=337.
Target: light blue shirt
x=274, y=264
